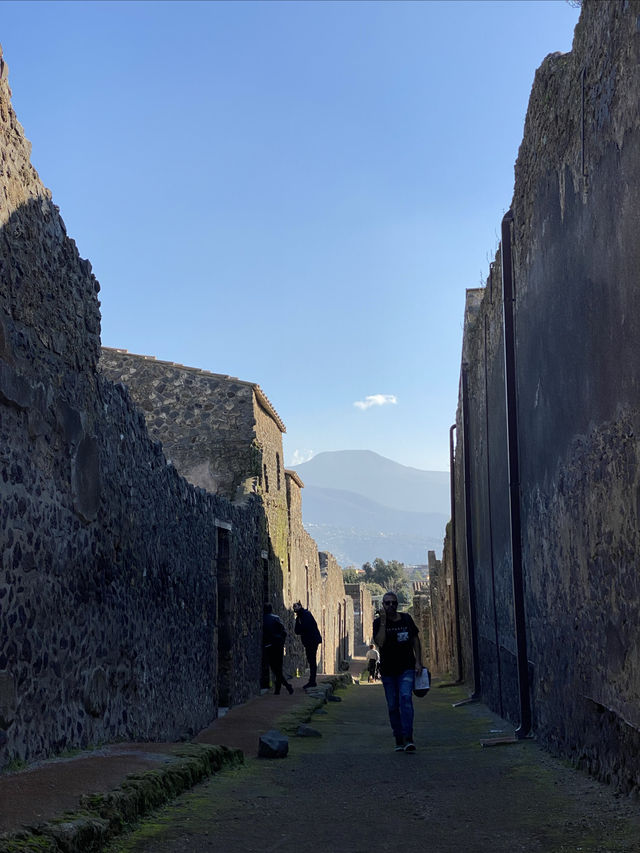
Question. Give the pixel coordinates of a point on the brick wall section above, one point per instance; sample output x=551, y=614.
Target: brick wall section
x=575, y=262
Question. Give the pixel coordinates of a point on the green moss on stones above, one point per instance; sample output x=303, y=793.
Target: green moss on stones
x=102, y=816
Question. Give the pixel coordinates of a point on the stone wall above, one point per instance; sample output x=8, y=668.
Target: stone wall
x=577, y=319
x=336, y=623
x=363, y=616
x=109, y=603
x=443, y=641
x=223, y=434
x=205, y=421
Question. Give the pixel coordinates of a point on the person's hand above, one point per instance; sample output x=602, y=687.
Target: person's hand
x=419, y=667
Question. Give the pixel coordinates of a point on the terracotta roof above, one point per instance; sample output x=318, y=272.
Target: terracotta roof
x=262, y=398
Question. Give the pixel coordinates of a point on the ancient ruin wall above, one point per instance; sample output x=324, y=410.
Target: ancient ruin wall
x=576, y=255
x=108, y=592
x=363, y=616
x=205, y=421
x=441, y=622
x=337, y=621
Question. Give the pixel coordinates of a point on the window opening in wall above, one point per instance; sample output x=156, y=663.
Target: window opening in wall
x=224, y=618
x=278, y=470
x=265, y=478
x=306, y=572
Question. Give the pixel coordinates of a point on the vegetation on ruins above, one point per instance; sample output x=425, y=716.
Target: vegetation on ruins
x=382, y=575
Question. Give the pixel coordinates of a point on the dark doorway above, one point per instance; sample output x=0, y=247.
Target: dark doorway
x=225, y=669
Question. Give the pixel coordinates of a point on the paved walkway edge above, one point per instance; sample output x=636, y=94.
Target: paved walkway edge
x=101, y=817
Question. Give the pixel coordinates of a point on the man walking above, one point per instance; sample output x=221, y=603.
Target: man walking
x=373, y=659
x=273, y=637
x=396, y=635
x=307, y=629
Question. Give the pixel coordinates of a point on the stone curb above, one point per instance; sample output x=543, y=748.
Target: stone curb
x=289, y=723
x=103, y=816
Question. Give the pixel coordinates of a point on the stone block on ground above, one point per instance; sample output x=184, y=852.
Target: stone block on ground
x=307, y=731
x=273, y=744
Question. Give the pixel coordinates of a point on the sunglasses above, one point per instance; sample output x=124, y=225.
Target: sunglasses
x=390, y=603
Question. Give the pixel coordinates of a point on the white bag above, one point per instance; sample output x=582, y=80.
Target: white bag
x=422, y=682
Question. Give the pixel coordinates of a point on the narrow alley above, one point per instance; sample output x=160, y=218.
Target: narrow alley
x=348, y=789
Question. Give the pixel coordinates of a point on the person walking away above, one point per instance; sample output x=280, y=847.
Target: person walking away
x=396, y=635
x=273, y=637
x=307, y=629
x=373, y=658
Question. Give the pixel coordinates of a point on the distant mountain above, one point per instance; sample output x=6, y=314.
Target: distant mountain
x=379, y=479
x=360, y=506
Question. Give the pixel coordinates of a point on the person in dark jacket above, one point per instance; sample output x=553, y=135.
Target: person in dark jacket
x=307, y=629
x=273, y=637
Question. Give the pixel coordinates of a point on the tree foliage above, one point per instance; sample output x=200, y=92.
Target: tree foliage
x=382, y=576
x=351, y=576
x=389, y=575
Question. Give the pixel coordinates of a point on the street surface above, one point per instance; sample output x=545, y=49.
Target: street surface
x=349, y=790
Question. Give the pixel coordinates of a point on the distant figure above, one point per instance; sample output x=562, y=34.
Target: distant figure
x=307, y=629
x=273, y=637
x=373, y=658
x=396, y=635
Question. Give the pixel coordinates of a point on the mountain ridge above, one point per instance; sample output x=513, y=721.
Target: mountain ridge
x=360, y=505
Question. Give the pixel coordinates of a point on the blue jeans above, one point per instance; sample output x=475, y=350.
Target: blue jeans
x=398, y=692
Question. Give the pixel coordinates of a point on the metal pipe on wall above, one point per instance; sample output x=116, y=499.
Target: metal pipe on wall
x=514, y=477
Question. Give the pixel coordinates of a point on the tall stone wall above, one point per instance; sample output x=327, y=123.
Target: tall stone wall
x=109, y=603
x=336, y=623
x=205, y=421
x=443, y=614
x=576, y=255
x=302, y=581
x=223, y=434
x=363, y=616
x=272, y=487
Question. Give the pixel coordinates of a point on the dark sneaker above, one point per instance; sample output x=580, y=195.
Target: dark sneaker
x=399, y=747
x=410, y=747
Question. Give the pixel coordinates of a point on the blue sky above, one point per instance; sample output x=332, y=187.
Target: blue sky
x=294, y=193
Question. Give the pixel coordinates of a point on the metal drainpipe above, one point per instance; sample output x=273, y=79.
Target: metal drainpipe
x=454, y=556
x=490, y=515
x=514, y=476
x=471, y=569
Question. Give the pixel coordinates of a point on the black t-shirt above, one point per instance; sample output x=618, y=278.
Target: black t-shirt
x=397, y=655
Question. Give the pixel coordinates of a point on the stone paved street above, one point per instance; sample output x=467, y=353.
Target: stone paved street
x=350, y=790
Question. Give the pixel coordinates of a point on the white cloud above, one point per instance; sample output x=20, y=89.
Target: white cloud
x=300, y=456
x=376, y=400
